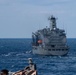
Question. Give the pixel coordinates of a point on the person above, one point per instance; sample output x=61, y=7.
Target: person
x=32, y=65
x=4, y=72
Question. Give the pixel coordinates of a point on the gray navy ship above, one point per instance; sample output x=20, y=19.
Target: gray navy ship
x=50, y=41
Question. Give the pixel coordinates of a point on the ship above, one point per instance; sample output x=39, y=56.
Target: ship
x=50, y=40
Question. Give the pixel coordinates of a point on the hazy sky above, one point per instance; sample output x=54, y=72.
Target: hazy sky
x=19, y=18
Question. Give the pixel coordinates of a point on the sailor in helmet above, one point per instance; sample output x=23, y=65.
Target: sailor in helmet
x=32, y=66
x=4, y=72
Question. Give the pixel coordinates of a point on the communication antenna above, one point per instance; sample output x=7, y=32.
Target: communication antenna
x=66, y=29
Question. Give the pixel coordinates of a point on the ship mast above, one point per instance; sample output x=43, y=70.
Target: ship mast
x=52, y=22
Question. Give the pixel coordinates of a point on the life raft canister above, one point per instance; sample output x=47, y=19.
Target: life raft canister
x=39, y=41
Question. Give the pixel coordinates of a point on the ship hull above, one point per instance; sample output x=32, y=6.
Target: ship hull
x=42, y=51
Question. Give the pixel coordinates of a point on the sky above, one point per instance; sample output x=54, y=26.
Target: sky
x=19, y=18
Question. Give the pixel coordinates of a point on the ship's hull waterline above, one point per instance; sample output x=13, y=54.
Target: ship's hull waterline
x=42, y=51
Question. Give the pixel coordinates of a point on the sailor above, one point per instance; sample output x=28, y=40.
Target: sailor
x=32, y=66
x=4, y=72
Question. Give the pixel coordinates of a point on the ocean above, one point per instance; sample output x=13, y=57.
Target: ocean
x=14, y=54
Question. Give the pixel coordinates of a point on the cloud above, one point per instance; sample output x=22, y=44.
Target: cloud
x=44, y=2
x=34, y=2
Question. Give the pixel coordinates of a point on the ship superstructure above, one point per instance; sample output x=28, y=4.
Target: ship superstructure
x=50, y=41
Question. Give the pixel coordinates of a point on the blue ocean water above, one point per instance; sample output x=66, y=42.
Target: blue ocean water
x=15, y=52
